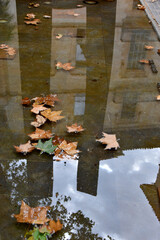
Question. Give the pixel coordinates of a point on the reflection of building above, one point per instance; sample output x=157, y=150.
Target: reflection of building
x=151, y=193
x=132, y=91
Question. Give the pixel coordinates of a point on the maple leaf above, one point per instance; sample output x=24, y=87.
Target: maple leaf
x=69, y=148
x=26, y=101
x=40, y=134
x=147, y=47
x=57, y=140
x=144, y=61
x=110, y=140
x=65, y=66
x=9, y=50
x=32, y=215
x=48, y=100
x=74, y=128
x=25, y=148
x=39, y=121
x=33, y=22
x=54, y=226
x=53, y=116
x=38, y=108
x=46, y=147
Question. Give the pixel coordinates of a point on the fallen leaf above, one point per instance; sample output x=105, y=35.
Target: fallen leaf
x=57, y=140
x=9, y=50
x=62, y=156
x=54, y=226
x=53, y=116
x=26, y=101
x=34, y=5
x=46, y=147
x=69, y=148
x=33, y=22
x=59, y=36
x=74, y=128
x=39, y=121
x=40, y=134
x=148, y=47
x=25, y=148
x=79, y=6
x=38, y=108
x=30, y=16
x=144, y=61
x=140, y=7
x=46, y=16
x=48, y=100
x=32, y=215
x=110, y=140
x=158, y=51
x=158, y=98
x=65, y=66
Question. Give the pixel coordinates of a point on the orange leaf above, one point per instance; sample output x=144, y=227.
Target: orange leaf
x=69, y=148
x=65, y=66
x=33, y=22
x=158, y=98
x=39, y=121
x=57, y=140
x=74, y=128
x=40, y=134
x=25, y=148
x=53, y=116
x=140, y=7
x=144, y=61
x=48, y=100
x=37, y=108
x=148, y=47
x=32, y=215
x=30, y=16
x=26, y=101
x=54, y=226
x=110, y=140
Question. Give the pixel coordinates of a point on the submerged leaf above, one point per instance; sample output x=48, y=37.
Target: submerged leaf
x=53, y=116
x=40, y=134
x=46, y=147
x=32, y=215
x=25, y=148
x=74, y=128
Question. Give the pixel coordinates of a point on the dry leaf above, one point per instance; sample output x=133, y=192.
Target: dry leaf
x=53, y=116
x=40, y=134
x=57, y=140
x=26, y=101
x=144, y=61
x=9, y=50
x=39, y=121
x=46, y=16
x=32, y=215
x=34, y=5
x=110, y=140
x=69, y=148
x=33, y=22
x=74, y=128
x=25, y=148
x=54, y=226
x=30, y=16
x=140, y=7
x=65, y=66
x=158, y=98
x=147, y=47
x=38, y=108
x=59, y=36
x=48, y=100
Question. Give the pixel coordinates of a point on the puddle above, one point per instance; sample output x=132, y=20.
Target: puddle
x=102, y=194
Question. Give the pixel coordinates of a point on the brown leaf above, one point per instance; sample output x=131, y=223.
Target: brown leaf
x=40, y=134
x=147, y=47
x=57, y=140
x=69, y=148
x=54, y=226
x=34, y=4
x=30, y=16
x=158, y=98
x=65, y=66
x=9, y=50
x=32, y=215
x=33, y=22
x=59, y=36
x=38, y=108
x=25, y=148
x=26, y=101
x=74, y=128
x=53, y=116
x=48, y=100
x=140, y=7
x=144, y=61
x=39, y=121
x=110, y=140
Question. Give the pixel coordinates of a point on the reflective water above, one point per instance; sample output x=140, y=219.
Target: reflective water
x=103, y=193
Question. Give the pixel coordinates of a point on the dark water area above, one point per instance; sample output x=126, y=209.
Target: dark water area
x=104, y=194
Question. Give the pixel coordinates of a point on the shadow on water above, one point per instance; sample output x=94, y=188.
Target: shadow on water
x=100, y=193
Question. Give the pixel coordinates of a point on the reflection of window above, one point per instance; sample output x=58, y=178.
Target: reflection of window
x=79, y=54
x=79, y=104
x=139, y=38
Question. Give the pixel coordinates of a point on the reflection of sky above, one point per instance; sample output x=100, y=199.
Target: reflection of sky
x=120, y=208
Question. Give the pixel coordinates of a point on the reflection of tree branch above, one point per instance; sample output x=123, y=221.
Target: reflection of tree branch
x=76, y=225
x=6, y=29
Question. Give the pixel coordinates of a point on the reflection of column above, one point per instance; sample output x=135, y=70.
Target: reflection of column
x=70, y=85
x=151, y=193
x=98, y=76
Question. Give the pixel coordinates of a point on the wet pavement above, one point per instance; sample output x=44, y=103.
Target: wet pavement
x=104, y=194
